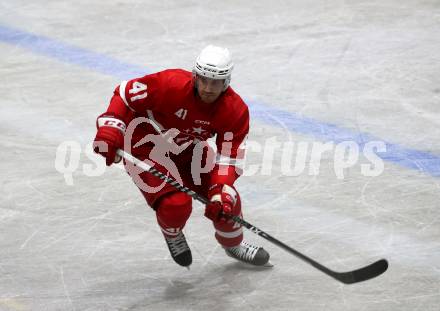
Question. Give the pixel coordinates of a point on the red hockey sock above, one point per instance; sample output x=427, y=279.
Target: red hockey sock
x=172, y=213
x=229, y=233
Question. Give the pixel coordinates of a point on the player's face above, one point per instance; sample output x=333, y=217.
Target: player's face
x=209, y=89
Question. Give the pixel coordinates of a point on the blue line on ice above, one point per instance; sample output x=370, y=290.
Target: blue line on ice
x=69, y=54
x=409, y=158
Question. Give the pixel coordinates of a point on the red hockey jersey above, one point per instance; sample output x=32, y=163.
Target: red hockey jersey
x=169, y=99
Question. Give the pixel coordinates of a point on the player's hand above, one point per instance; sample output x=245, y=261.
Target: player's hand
x=223, y=200
x=109, y=139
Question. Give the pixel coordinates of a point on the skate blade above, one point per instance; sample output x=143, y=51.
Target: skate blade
x=268, y=265
x=250, y=266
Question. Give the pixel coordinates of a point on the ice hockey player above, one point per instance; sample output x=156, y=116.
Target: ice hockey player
x=199, y=105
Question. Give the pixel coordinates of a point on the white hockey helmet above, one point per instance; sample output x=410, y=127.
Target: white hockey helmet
x=215, y=63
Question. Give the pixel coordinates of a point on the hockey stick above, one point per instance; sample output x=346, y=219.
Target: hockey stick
x=350, y=277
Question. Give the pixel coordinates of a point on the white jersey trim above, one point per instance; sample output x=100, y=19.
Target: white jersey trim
x=224, y=160
x=122, y=87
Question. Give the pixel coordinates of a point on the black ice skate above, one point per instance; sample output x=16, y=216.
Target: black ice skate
x=179, y=250
x=250, y=254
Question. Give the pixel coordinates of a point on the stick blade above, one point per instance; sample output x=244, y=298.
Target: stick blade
x=363, y=274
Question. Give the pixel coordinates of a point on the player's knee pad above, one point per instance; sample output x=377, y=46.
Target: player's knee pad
x=173, y=210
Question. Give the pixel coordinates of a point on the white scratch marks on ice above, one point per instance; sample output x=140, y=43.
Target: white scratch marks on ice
x=28, y=239
x=66, y=291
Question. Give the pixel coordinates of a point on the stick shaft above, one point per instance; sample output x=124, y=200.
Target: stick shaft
x=345, y=277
